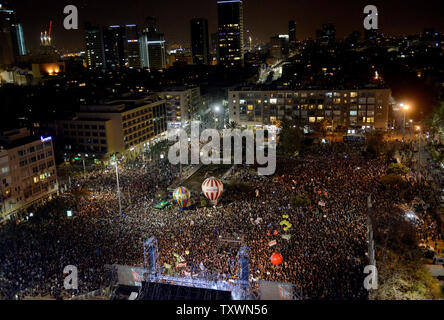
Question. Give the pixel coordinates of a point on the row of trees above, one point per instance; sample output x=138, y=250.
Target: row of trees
x=435, y=121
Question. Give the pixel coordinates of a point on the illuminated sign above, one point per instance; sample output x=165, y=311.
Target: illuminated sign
x=45, y=139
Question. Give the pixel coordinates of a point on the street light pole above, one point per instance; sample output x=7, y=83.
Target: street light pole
x=84, y=169
x=118, y=189
x=403, y=125
x=404, y=107
x=419, y=148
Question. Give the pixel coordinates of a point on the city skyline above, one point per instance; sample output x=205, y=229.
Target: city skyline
x=394, y=19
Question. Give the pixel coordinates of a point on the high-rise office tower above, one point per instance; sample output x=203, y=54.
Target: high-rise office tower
x=11, y=37
x=199, y=41
x=326, y=35
x=132, y=47
x=151, y=25
x=113, y=41
x=279, y=46
x=292, y=31
x=95, y=52
x=214, y=40
x=152, y=46
x=231, y=33
x=370, y=35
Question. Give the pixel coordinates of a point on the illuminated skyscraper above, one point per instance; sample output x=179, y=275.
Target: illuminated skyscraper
x=326, y=35
x=292, y=31
x=132, y=48
x=199, y=41
x=12, y=42
x=95, y=57
x=279, y=46
x=113, y=42
x=231, y=33
x=152, y=46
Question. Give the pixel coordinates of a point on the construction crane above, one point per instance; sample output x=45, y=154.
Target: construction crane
x=45, y=37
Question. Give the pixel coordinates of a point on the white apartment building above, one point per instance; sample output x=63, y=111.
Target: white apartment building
x=368, y=108
x=132, y=123
x=27, y=171
x=181, y=103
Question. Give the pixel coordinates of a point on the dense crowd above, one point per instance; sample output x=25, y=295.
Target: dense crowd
x=324, y=251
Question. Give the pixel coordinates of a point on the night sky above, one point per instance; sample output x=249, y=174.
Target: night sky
x=264, y=18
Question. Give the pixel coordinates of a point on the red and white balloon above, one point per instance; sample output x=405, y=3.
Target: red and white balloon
x=212, y=188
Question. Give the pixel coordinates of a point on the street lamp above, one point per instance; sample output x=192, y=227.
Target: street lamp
x=118, y=187
x=418, y=128
x=215, y=109
x=405, y=108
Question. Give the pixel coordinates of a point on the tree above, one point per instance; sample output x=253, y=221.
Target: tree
x=389, y=151
x=299, y=201
x=290, y=139
x=322, y=126
x=398, y=169
x=232, y=125
x=435, y=121
x=374, y=142
x=392, y=180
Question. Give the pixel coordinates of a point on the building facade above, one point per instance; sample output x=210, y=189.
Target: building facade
x=279, y=46
x=27, y=171
x=114, y=45
x=129, y=124
x=292, y=31
x=367, y=108
x=153, y=51
x=326, y=35
x=132, y=47
x=152, y=46
x=11, y=37
x=230, y=33
x=199, y=41
x=95, y=51
x=181, y=104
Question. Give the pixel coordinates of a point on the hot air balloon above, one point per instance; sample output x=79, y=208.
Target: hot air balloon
x=276, y=258
x=212, y=189
x=182, y=196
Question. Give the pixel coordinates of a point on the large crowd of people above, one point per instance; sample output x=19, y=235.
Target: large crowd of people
x=324, y=249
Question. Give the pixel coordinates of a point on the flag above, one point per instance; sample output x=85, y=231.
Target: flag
x=272, y=243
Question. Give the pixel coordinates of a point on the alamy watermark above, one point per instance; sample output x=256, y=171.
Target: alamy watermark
x=371, y=281
x=71, y=21
x=71, y=281
x=371, y=20
x=210, y=153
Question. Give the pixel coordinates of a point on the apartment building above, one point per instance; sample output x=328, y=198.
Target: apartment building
x=27, y=171
x=182, y=103
x=132, y=123
x=368, y=108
